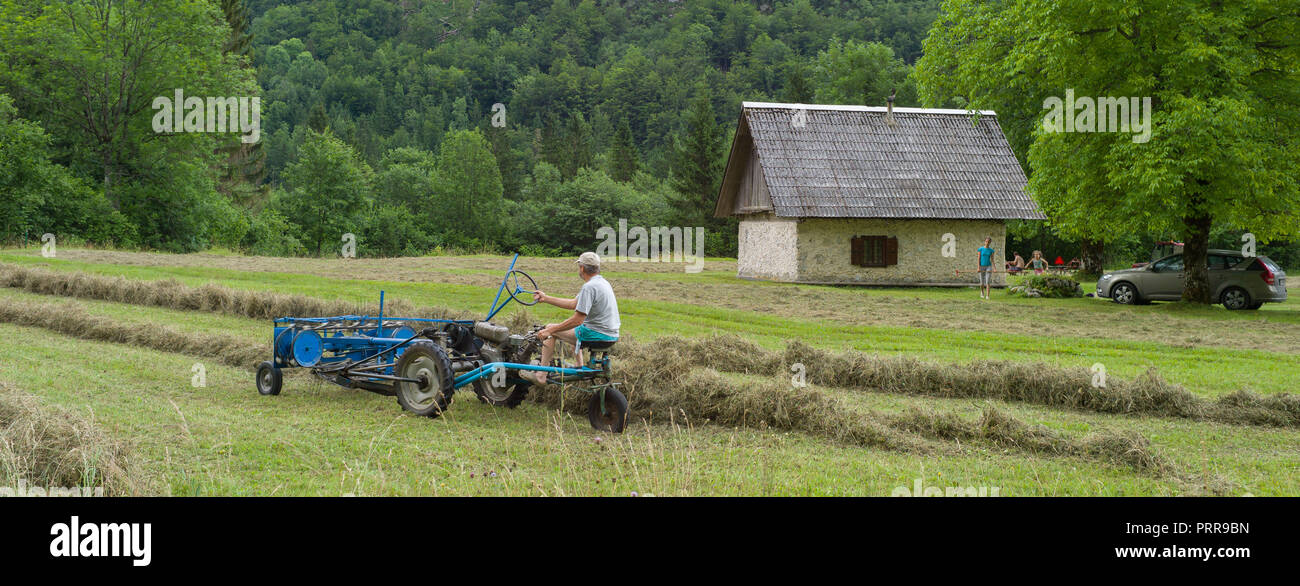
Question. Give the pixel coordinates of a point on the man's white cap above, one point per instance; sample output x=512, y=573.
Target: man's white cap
x=590, y=259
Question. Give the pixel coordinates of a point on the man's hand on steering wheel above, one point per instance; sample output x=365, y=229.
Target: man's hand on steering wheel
x=540, y=297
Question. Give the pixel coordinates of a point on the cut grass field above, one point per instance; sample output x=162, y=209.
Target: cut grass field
x=320, y=439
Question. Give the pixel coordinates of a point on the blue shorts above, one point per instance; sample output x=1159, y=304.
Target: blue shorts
x=586, y=334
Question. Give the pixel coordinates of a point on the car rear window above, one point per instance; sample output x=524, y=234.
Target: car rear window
x=1258, y=263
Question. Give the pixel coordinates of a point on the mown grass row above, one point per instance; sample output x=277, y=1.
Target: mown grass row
x=172, y=294
x=1033, y=383
x=664, y=384
x=45, y=448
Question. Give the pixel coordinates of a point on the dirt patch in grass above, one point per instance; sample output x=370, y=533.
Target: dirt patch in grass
x=52, y=448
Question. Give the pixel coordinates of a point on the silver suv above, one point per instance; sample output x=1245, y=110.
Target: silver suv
x=1236, y=281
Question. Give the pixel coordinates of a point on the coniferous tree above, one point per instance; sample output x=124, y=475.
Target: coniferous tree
x=696, y=163
x=318, y=120
x=622, y=154
x=244, y=164
x=577, y=140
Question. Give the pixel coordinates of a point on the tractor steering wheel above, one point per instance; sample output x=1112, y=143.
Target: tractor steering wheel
x=513, y=288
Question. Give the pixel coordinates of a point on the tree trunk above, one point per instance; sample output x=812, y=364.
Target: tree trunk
x=1196, y=283
x=1091, y=257
x=108, y=179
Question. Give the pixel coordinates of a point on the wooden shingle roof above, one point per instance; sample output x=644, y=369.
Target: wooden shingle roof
x=849, y=162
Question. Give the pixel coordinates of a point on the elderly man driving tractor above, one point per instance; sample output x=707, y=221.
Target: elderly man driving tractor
x=423, y=369
x=594, y=319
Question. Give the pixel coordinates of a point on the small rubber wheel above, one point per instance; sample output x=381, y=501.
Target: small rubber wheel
x=614, y=417
x=1125, y=294
x=1235, y=298
x=427, y=362
x=269, y=379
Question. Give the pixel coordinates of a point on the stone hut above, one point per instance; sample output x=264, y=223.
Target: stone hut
x=870, y=195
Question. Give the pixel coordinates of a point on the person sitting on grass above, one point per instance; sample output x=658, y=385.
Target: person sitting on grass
x=594, y=319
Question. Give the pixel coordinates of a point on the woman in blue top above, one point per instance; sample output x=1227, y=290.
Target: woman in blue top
x=986, y=267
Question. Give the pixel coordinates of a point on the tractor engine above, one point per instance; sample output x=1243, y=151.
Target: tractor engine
x=497, y=344
x=502, y=346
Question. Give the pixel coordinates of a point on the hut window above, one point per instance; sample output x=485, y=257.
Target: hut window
x=873, y=251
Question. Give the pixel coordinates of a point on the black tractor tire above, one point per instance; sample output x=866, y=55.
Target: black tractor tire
x=614, y=418
x=1235, y=298
x=511, y=396
x=269, y=379
x=427, y=361
x=515, y=396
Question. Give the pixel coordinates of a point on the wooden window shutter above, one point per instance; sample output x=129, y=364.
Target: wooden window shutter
x=858, y=251
x=891, y=251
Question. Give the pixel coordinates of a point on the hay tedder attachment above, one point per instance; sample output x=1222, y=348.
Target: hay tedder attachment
x=423, y=362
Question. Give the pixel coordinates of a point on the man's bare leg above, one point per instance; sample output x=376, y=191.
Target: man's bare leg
x=548, y=352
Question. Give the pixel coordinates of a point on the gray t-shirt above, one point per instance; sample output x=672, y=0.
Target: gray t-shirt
x=596, y=299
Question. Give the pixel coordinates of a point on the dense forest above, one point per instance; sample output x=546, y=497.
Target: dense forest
x=420, y=125
x=377, y=116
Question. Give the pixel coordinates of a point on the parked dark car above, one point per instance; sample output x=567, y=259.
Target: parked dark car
x=1236, y=281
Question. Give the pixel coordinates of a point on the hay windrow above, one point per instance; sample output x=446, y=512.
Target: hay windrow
x=1034, y=383
x=172, y=294
x=661, y=381
x=1040, y=384
x=71, y=319
x=1000, y=429
x=49, y=447
x=669, y=387
x=1003, y=380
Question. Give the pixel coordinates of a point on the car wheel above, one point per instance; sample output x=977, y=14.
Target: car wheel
x=1256, y=305
x=1235, y=298
x=1125, y=294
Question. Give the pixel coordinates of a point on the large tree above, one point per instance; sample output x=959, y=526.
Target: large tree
x=697, y=163
x=1224, y=97
x=92, y=68
x=329, y=190
x=468, y=198
x=848, y=72
x=244, y=168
